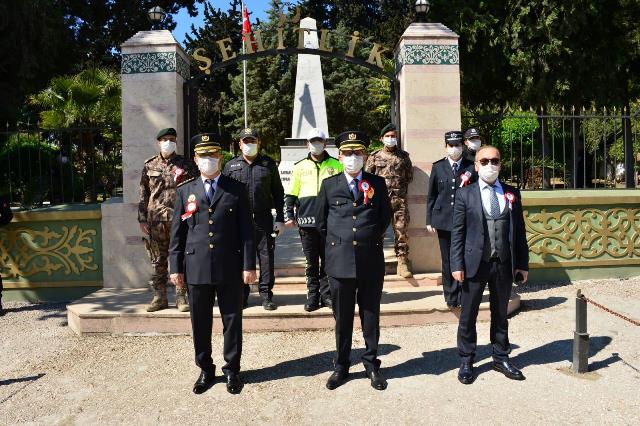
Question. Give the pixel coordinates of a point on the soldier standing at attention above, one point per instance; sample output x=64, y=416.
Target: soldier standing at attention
x=448, y=175
x=472, y=142
x=260, y=175
x=307, y=176
x=394, y=165
x=353, y=216
x=160, y=176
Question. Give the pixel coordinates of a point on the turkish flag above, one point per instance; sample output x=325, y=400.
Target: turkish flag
x=246, y=28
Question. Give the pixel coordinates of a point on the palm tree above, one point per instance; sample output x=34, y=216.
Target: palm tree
x=85, y=101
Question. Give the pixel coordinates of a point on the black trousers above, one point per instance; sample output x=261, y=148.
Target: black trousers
x=313, y=248
x=499, y=276
x=265, y=250
x=344, y=294
x=201, y=299
x=450, y=287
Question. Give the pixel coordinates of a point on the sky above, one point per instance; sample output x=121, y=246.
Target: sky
x=257, y=9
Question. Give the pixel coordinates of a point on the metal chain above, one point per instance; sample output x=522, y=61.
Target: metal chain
x=604, y=308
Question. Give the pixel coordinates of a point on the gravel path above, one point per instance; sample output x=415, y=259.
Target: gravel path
x=50, y=376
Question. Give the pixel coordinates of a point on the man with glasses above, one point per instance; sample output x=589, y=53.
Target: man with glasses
x=448, y=175
x=353, y=215
x=488, y=246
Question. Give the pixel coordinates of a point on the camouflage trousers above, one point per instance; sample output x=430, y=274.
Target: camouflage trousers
x=400, y=221
x=159, y=236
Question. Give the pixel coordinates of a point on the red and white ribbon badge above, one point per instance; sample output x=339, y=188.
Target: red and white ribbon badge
x=510, y=198
x=366, y=188
x=465, y=178
x=192, y=207
x=177, y=174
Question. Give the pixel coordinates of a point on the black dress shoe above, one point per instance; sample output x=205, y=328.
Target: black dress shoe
x=336, y=379
x=508, y=369
x=378, y=381
x=312, y=305
x=234, y=384
x=326, y=301
x=268, y=305
x=465, y=374
x=205, y=381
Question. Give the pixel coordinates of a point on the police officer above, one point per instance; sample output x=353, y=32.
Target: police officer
x=394, y=165
x=307, y=175
x=5, y=217
x=472, y=142
x=260, y=175
x=447, y=176
x=160, y=175
x=212, y=251
x=353, y=215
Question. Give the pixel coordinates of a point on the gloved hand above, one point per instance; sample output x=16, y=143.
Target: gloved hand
x=278, y=229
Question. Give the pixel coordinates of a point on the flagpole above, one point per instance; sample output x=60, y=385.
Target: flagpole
x=244, y=71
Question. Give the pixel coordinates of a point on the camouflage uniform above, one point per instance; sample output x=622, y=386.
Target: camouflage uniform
x=157, y=197
x=396, y=169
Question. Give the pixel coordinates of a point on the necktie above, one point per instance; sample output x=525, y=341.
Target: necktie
x=454, y=167
x=354, y=189
x=209, y=190
x=493, y=202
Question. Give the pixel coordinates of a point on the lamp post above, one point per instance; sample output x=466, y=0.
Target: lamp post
x=156, y=15
x=422, y=8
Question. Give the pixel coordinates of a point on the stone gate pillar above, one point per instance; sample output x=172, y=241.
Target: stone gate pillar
x=428, y=71
x=154, y=68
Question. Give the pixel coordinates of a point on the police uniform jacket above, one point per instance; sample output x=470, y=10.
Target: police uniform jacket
x=467, y=235
x=443, y=186
x=263, y=183
x=353, y=231
x=216, y=243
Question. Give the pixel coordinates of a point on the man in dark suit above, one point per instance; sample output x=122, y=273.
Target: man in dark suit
x=488, y=245
x=212, y=250
x=353, y=215
x=448, y=175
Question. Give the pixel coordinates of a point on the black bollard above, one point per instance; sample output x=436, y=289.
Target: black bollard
x=580, y=337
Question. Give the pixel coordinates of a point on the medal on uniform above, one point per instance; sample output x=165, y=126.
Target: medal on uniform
x=465, y=178
x=177, y=174
x=192, y=207
x=510, y=198
x=367, y=190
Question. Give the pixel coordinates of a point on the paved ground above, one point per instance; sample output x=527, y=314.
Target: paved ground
x=50, y=376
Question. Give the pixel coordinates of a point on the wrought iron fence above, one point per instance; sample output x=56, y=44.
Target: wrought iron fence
x=40, y=167
x=550, y=151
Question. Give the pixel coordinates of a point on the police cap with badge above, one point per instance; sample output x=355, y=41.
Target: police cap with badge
x=248, y=132
x=471, y=133
x=352, y=140
x=206, y=144
x=453, y=138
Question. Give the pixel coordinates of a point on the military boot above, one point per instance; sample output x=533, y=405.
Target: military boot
x=181, y=299
x=404, y=267
x=159, y=301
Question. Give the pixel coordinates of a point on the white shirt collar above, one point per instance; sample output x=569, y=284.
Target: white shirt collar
x=215, y=180
x=457, y=162
x=350, y=179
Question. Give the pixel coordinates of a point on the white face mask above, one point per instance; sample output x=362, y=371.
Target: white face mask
x=208, y=165
x=316, y=148
x=389, y=141
x=167, y=147
x=489, y=173
x=249, y=149
x=474, y=144
x=454, y=152
x=353, y=163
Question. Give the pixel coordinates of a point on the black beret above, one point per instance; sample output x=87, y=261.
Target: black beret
x=453, y=138
x=472, y=133
x=352, y=139
x=389, y=127
x=168, y=131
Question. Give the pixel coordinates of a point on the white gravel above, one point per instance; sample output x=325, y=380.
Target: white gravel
x=50, y=376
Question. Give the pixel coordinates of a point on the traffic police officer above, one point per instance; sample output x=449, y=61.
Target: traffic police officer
x=307, y=175
x=353, y=215
x=260, y=175
x=447, y=176
x=472, y=142
x=160, y=175
x=394, y=165
x=212, y=251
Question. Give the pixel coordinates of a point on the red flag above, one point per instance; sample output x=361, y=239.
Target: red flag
x=246, y=28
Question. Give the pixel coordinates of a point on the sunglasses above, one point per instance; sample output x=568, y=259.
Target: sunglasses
x=485, y=161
